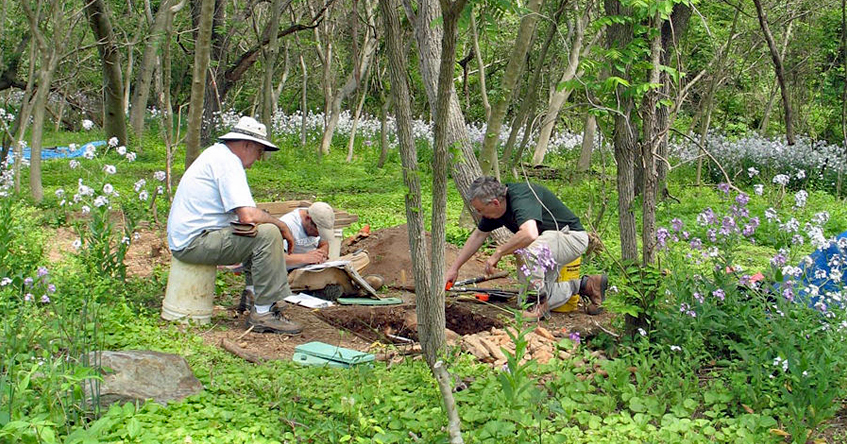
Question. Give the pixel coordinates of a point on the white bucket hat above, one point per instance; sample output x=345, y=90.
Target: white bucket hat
x=324, y=218
x=249, y=128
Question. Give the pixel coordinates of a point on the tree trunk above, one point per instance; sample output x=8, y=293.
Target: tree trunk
x=483, y=91
x=198, y=82
x=431, y=313
x=619, y=35
x=356, y=114
x=144, y=79
x=560, y=96
x=528, y=104
x=113, y=87
x=588, y=135
x=383, y=127
x=649, y=144
x=517, y=60
x=766, y=115
x=304, y=89
x=270, y=52
x=780, y=73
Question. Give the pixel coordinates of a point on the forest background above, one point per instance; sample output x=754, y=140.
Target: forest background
x=630, y=96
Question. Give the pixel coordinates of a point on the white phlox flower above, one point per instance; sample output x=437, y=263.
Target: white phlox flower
x=143, y=195
x=759, y=189
x=85, y=209
x=87, y=125
x=800, y=198
x=139, y=185
x=160, y=176
x=60, y=193
x=752, y=172
x=781, y=179
x=109, y=169
x=113, y=141
x=99, y=201
x=121, y=150
x=77, y=244
x=130, y=157
x=74, y=164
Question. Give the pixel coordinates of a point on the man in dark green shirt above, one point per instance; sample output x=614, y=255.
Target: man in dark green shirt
x=547, y=236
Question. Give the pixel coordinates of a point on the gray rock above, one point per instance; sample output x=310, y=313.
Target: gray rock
x=139, y=375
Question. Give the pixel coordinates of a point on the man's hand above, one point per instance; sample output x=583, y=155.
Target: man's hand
x=450, y=276
x=491, y=264
x=315, y=257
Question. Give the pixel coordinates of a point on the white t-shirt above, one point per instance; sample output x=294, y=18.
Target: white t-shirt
x=303, y=243
x=212, y=187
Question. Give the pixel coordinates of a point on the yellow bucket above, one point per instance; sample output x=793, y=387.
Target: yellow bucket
x=569, y=272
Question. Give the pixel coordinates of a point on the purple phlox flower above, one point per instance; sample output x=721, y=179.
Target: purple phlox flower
x=748, y=231
x=575, y=337
x=28, y=281
x=754, y=221
x=662, y=236
x=788, y=294
x=712, y=233
x=696, y=243
x=676, y=224
x=51, y=288
x=739, y=211
x=686, y=309
x=742, y=199
x=719, y=293
x=685, y=235
x=707, y=217
x=699, y=297
x=42, y=271
x=45, y=299
x=724, y=187
x=780, y=259
x=744, y=280
x=28, y=297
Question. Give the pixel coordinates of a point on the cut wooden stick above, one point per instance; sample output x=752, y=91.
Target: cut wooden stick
x=233, y=348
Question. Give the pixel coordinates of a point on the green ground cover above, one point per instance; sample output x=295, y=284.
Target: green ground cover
x=746, y=367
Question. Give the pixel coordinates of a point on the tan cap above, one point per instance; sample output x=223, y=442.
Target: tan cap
x=323, y=216
x=249, y=128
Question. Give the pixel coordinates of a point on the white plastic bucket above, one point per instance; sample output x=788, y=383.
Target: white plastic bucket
x=190, y=293
x=335, y=243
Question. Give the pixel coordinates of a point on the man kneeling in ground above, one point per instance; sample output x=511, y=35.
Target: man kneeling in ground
x=544, y=228
x=214, y=193
x=307, y=243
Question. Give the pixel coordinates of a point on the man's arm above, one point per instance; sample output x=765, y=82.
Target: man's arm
x=256, y=216
x=527, y=233
x=471, y=246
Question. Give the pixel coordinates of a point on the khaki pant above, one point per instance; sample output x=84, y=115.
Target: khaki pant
x=544, y=259
x=222, y=247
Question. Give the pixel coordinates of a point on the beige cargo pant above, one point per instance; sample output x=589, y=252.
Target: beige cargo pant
x=543, y=260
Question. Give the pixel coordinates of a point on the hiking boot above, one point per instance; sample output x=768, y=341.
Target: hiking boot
x=593, y=288
x=375, y=281
x=246, y=302
x=272, y=321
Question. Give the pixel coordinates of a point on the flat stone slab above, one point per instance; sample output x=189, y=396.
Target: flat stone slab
x=139, y=375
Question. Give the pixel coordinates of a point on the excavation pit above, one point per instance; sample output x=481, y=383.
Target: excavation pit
x=397, y=324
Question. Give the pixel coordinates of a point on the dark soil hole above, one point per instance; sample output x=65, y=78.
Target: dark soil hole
x=394, y=324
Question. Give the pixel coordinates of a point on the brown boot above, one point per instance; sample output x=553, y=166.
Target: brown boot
x=272, y=321
x=593, y=288
x=375, y=281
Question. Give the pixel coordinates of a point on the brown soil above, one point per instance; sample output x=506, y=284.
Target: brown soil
x=356, y=327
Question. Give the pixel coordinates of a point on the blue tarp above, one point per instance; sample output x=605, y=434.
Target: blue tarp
x=61, y=152
x=823, y=262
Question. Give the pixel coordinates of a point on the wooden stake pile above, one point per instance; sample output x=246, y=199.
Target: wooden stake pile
x=485, y=346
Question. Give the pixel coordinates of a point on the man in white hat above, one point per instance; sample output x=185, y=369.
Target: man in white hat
x=212, y=194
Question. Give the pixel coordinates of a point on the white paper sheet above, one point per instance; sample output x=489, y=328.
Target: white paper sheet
x=308, y=300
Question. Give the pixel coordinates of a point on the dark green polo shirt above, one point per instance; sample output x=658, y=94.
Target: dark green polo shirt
x=523, y=205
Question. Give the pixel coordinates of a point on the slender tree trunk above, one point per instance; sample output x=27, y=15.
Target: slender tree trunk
x=588, y=134
x=165, y=104
x=383, y=126
x=528, y=104
x=766, y=115
x=619, y=35
x=113, y=88
x=780, y=73
x=560, y=96
x=304, y=89
x=483, y=91
x=198, y=82
x=432, y=297
x=649, y=144
x=356, y=114
x=271, y=52
x=517, y=60
x=844, y=64
x=141, y=92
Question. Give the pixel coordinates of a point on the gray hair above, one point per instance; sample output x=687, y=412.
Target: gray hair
x=486, y=188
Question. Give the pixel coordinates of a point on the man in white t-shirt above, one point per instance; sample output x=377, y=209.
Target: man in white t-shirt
x=311, y=229
x=212, y=194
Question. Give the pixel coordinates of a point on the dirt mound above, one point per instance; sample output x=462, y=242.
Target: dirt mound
x=390, y=255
